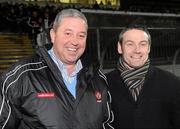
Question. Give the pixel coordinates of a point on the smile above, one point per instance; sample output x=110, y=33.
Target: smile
x=72, y=49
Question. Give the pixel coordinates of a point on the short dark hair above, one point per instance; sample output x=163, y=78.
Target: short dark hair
x=137, y=27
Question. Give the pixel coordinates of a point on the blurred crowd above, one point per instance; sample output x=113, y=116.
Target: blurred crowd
x=20, y=17
x=33, y=17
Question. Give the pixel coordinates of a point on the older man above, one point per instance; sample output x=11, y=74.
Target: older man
x=54, y=89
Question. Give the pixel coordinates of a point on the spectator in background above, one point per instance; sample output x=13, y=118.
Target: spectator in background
x=11, y=19
x=43, y=37
x=34, y=22
x=143, y=96
x=96, y=6
x=55, y=88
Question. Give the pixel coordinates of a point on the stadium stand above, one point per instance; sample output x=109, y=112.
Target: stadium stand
x=12, y=48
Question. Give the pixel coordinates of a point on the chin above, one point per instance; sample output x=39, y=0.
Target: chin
x=137, y=66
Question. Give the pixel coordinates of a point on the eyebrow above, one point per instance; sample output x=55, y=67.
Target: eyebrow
x=133, y=41
x=145, y=41
x=128, y=41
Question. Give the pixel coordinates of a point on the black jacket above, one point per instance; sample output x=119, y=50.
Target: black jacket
x=158, y=105
x=34, y=96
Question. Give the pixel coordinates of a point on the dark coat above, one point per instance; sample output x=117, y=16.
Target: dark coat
x=158, y=105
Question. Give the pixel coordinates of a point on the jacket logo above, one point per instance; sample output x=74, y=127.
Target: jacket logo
x=46, y=95
x=98, y=96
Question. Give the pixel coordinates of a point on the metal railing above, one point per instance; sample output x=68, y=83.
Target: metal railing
x=102, y=44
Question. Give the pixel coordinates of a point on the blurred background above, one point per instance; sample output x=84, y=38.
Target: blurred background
x=25, y=24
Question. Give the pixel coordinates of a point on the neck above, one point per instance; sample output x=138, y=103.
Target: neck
x=127, y=66
x=70, y=68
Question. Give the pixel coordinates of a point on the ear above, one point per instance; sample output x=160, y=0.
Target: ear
x=149, y=49
x=52, y=35
x=119, y=47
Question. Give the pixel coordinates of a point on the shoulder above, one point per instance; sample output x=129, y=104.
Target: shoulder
x=21, y=67
x=112, y=74
x=100, y=79
x=163, y=79
x=157, y=72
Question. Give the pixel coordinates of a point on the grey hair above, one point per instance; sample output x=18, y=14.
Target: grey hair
x=137, y=27
x=68, y=13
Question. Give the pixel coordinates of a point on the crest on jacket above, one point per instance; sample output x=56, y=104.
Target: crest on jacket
x=98, y=96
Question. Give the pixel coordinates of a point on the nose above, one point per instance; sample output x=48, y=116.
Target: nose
x=137, y=49
x=74, y=40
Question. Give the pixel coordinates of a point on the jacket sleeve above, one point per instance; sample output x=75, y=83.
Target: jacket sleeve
x=175, y=114
x=108, y=115
x=6, y=116
x=3, y=105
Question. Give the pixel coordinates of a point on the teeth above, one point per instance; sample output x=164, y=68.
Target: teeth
x=137, y=57
x=72, y=49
